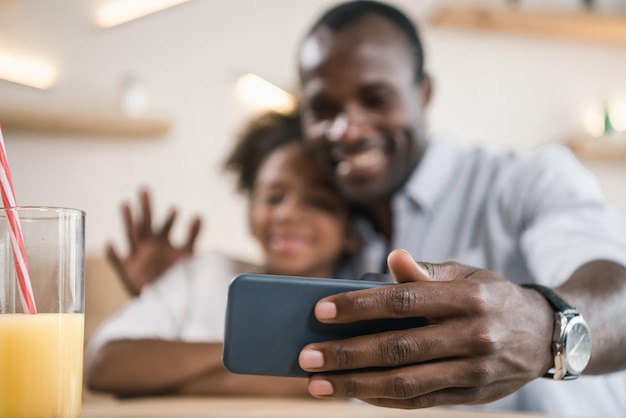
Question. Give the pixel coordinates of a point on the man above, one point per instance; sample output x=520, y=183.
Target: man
x=510, y=219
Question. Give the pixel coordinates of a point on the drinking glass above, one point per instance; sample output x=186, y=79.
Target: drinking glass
x=41, y=354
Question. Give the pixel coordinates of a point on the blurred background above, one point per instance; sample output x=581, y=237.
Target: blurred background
x=156, y=101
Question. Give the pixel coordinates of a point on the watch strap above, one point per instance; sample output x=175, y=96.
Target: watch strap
x=555, y=300
x=562, y=310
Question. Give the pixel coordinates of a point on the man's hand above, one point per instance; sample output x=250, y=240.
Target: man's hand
x=151, y=251
x=486, y=338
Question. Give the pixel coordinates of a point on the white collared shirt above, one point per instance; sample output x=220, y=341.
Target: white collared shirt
x=528, y=216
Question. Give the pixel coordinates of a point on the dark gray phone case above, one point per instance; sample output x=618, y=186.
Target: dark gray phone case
x=269, y=319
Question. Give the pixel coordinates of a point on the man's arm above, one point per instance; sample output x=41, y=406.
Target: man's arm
x=149, y=367
x=486, y=337
x=598, y=291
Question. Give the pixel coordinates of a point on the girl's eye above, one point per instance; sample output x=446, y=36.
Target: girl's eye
x=322, y=203
x=267, y=197
x=273, y=199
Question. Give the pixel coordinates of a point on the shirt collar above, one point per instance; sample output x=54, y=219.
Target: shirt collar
x=429, y=182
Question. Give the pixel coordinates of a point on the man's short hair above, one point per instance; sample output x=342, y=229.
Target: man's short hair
x=346, y=14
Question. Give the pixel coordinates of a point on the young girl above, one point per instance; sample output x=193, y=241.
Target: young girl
x=169, y=338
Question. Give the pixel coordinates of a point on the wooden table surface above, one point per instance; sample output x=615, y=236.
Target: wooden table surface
x=242, y=407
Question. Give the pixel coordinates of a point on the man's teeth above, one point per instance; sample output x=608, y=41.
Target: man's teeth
x=360, y=161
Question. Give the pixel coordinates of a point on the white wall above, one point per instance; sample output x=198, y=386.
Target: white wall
x=510, y=90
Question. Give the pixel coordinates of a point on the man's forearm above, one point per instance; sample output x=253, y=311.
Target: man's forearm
x=146, y=367
x=598, y=291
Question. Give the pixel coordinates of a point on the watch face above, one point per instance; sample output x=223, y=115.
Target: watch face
x=577, y=347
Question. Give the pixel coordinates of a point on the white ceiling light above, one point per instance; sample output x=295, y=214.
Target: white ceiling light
x=262, y=93
x=28, y=71
x=116, y=12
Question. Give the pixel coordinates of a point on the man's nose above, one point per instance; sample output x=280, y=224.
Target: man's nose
x=348, y=126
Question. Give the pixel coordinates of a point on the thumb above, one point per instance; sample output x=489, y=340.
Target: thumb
x=404, y=269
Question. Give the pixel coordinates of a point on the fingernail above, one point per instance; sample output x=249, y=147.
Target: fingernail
x=325, y=310
x=311, y=359
x=320, y=388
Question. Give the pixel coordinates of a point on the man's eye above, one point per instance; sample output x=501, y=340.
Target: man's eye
x=323, y=111
x=376, y=101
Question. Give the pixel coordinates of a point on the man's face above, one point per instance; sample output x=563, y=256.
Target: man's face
x=362, y=107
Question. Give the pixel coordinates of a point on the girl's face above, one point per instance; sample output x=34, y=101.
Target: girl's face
x=300, y=222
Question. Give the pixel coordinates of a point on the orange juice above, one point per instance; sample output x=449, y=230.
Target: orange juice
x=41, y=365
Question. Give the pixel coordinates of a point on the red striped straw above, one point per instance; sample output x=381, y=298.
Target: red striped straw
x=17, y=240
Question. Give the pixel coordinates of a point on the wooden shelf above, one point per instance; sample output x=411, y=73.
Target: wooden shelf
x=582, y=26
x=74, y=123
x=610, y=148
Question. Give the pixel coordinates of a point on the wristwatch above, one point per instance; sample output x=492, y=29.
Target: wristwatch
x=571, y=339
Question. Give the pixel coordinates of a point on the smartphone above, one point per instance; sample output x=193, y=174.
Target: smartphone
x=269, y=319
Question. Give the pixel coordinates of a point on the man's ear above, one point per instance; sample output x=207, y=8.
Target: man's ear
x=426, y=90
